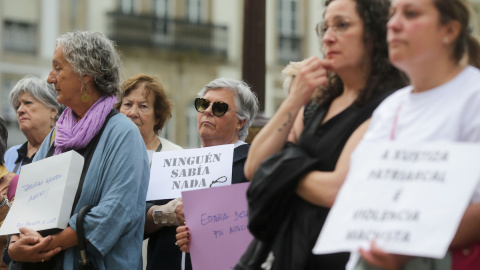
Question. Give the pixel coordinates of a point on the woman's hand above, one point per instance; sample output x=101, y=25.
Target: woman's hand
x=183, y=238
x=379, y=258
x=311, y=75
x=179, y=214
x=30, y=247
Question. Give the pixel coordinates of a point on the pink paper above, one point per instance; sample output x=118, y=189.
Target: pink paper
x=218, y=223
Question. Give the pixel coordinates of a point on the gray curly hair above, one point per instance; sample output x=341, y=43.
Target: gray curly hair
x=93, y=54
x=245, y=100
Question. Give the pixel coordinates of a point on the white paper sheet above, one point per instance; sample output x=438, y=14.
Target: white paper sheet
x=409, y=197
x=45, y=193
x=189, y=169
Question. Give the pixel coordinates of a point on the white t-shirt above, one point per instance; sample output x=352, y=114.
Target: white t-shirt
x=447, y=113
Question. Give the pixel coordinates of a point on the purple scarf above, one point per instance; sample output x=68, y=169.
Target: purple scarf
x=72, y=135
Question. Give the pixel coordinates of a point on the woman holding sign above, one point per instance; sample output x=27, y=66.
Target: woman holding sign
x=226, y=109
x=430, y=40
x=354, y=77
x=86, y=75
x=145, y=103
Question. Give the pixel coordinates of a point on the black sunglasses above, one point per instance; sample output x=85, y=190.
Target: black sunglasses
x=219, y=108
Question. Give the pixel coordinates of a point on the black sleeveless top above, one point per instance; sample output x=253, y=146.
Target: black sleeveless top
x=325, y=142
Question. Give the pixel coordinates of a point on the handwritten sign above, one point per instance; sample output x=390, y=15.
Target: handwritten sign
x=410, y=197
x=45, y=193
x=175, y=171
x=218, y=221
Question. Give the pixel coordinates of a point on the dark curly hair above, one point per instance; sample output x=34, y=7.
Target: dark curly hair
x=383, y=76
x=162, y=106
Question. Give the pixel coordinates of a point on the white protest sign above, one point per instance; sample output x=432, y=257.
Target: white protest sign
x=45, y=193
x=410, y=197
x=189, y=169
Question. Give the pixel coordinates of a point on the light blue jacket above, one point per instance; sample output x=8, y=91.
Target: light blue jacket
x=116, y=184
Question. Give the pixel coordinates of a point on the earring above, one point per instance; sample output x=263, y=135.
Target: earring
x=446, y=41
x=85, y=96
x=53, y=122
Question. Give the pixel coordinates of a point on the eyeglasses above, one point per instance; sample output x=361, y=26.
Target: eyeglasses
x=219, y=108
x=339, y=26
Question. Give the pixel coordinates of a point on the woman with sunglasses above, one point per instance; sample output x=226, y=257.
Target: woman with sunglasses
x=226, y=108
x=354, y=77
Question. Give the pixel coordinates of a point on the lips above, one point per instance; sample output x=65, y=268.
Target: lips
x=207, y=123
x=395, y=41
x=331, y=54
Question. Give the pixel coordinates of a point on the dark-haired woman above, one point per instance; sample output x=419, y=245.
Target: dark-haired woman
x=355, y=77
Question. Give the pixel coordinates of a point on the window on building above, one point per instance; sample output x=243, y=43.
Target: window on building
x=19, y=37
x=126, y=6
x=161, y=8
x=194, y=10
x=289, y=39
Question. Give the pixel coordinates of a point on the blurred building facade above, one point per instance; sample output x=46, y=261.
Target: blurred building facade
x=185, y=43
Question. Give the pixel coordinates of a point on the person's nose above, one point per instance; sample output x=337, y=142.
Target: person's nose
x=329, y=36
x=133, y=112
x=51, y=78
x=208, y=110
x=20, y=109
x=394, y=24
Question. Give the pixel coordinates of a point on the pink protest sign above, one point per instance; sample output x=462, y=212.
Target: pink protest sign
x=218, y=223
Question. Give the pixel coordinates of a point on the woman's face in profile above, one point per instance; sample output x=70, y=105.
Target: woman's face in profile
x=415, y=34
x=140, y=109
x=68, y=84
x=342, y=32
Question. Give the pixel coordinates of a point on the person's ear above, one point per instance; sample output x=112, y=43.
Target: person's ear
x=452, y=32
x=86, y=79
x=241, y=123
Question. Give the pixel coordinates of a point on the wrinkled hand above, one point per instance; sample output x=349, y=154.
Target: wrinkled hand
x=25, y=232
x=311, y=75
x=379, y=258
x=183, y=238
x=29, y=247
x=179, y=214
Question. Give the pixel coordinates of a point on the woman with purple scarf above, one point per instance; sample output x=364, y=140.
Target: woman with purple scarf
x=86, y=74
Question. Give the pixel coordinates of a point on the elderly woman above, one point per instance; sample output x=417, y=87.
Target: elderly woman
x=37, y=109
x=86, y=74
x=226, y=108
x=144, y=101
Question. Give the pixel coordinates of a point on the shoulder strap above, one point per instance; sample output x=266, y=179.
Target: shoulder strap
x=53, y=135
x=17, y=164
x=88, y=154
x=81, y=235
